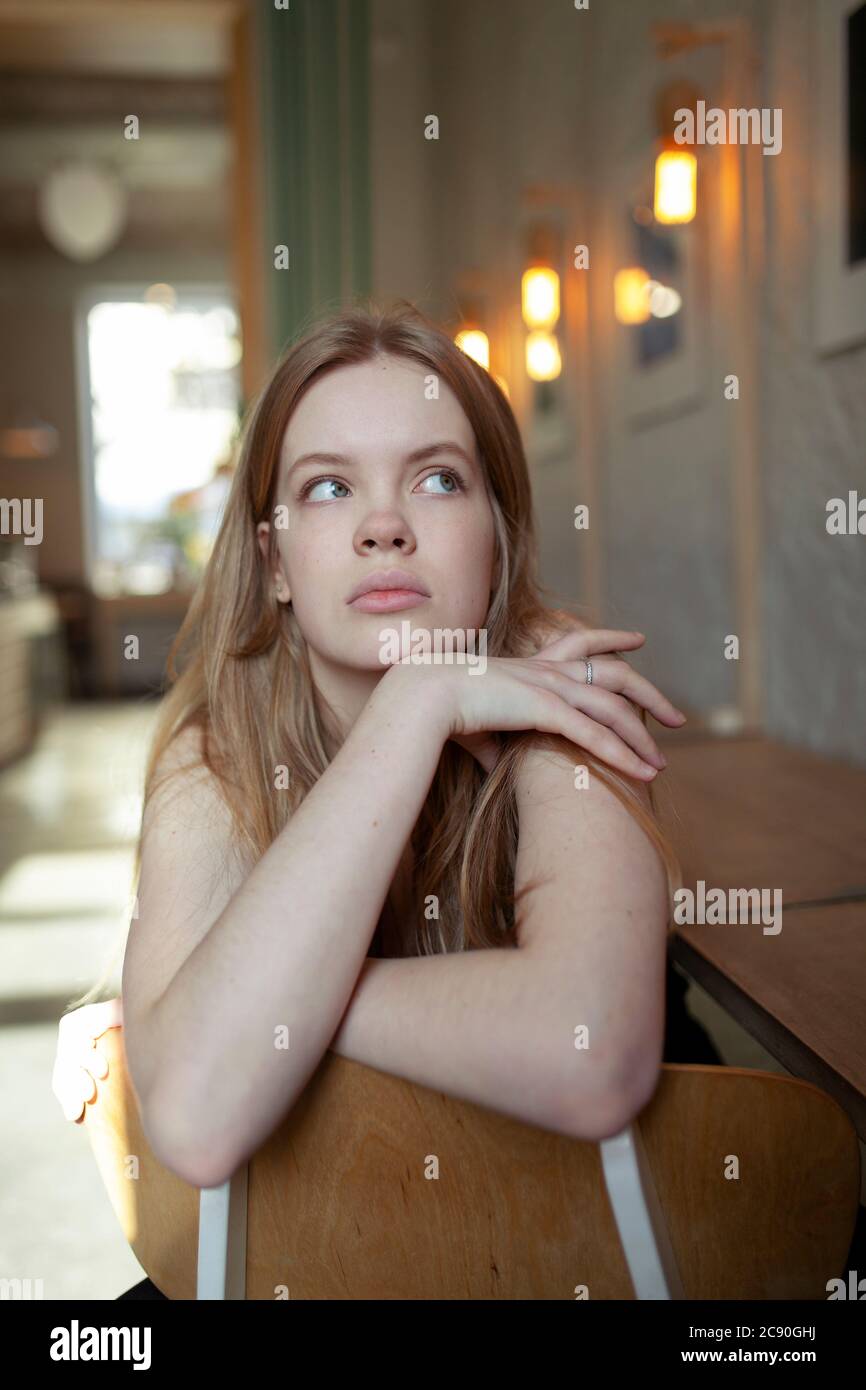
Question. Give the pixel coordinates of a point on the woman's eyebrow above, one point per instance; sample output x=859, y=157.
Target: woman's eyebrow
x=442, y=446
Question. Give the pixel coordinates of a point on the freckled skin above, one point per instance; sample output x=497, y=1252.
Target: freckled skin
x=378, y=513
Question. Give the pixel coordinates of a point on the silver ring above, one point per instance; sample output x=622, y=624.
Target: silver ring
x=588, y=665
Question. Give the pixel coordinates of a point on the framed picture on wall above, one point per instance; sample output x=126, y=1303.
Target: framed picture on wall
x=839, y=162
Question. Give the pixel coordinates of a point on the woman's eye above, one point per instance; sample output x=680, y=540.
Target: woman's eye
x=310, y=489
x=453, y=478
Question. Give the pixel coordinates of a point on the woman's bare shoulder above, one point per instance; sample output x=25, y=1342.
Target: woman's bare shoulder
x=549, y=765
x=184, y=750
x=189, y=870
x=185, y=800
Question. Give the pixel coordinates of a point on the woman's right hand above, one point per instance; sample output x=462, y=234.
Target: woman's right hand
x=518, y=693
x=78, y=1062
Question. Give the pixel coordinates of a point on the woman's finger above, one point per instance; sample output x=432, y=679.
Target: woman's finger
x=590, y=642
x=74, y=1110
x=619, y=676
x=62, y=1079
x=601, y=704
x=613, y=711
x=73, y=1088
x=558, y=717
x=85, y=1085
x=605, y=642
x=643, y=692
x=95, y=1061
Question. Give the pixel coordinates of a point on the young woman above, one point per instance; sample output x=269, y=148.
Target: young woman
x=451, y=874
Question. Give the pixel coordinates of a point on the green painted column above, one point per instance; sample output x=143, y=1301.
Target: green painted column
x=313, y=62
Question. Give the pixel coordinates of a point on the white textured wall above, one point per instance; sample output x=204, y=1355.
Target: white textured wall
x=534, y=93
x=814, y=428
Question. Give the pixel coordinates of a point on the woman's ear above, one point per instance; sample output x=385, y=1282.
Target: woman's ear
x=281, y=588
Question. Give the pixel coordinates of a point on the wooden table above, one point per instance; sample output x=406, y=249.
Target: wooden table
x=749, y=812
x=753, y=813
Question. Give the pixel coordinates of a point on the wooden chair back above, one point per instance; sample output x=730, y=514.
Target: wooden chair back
x=731, y=1184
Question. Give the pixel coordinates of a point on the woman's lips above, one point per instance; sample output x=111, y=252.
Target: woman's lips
x=388, y=600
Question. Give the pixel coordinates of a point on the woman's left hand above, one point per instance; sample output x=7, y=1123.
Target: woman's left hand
x=79, y=1062
x=600, y=646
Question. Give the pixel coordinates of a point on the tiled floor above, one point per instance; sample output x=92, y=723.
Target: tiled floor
x=69, y=815
x=68, y=821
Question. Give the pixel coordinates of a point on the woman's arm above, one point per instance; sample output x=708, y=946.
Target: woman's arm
x=598, y=920
x=285, y=952
x=498, y=1027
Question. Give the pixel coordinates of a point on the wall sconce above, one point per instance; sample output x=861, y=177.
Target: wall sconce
x=475, y=344
x=676, y=179
x=630, y=295
x=539, y=301
x=543, y=361
x=539, y=296
x=676, y=168
x=472, y=301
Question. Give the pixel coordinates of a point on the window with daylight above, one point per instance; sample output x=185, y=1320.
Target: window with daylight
x=163, y=396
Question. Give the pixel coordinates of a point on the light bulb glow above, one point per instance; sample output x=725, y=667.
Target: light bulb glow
x=663, y=300
x=675, y=186
x=540, y=297
x=543, y=362
x=476, y=345
x=630, y=295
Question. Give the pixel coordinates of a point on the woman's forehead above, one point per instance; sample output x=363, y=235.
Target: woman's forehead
x=367, y=407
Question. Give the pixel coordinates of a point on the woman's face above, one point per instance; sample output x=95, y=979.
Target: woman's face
x=382, y=505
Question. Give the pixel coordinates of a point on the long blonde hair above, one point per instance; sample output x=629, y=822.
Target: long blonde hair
x=239, y=670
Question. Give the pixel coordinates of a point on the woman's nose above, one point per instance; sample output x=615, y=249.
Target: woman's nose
x=387, y=529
